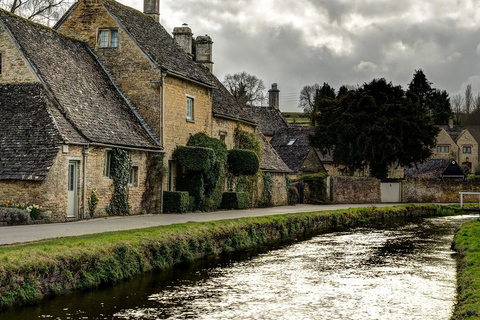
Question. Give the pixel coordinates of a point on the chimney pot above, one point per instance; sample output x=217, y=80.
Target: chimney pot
x=274, y=97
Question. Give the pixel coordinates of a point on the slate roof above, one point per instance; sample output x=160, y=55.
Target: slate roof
x=225, y=105
x=271, y=161
x=157, y=43
x=431, y=168
x=294, y=154
x=269, y=119
x=90, y=106
x=29, y=138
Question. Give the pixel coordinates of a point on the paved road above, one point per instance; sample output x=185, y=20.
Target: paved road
x=22, y=234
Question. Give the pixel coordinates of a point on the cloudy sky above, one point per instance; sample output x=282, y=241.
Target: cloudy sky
x=298, y=43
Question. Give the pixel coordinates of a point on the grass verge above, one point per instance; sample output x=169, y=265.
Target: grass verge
x=467, y=244
x=31, y=271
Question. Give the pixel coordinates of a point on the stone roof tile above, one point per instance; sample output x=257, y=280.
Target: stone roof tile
x=87, y=99
x=29, y=137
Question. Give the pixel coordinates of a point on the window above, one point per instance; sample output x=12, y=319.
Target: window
x=108, y=163
x=108, y=38
x=443, y=149
x=0, y=63
x=467, y=149
x=190, y=108
x=133, y=178
x=291, y=142
x=222, y=135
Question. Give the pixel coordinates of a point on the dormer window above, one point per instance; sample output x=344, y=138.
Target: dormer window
x=108, y=38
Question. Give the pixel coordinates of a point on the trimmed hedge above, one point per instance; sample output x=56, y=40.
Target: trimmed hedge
x=242, y=162
x=195, y=158
x=235, y=200
x=175, y=201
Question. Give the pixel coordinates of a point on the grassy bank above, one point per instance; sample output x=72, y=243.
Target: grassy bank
x=29, y=272
x=467, y=244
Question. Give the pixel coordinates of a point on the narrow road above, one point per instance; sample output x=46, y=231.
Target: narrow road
x=29, y=233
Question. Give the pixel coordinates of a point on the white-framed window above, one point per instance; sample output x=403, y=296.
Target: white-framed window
x=108, y=164
x=190, y=108
x=133, y=178
x=443, y=149
x=467, y=149
x=108, y=38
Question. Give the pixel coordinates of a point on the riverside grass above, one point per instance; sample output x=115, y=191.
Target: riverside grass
x=30, y=272
x=467, y=243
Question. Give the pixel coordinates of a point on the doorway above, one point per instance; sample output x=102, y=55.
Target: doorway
x=72, y=189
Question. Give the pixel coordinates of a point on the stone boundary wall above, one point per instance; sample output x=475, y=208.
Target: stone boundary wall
x=354, y=190
x=438, y=190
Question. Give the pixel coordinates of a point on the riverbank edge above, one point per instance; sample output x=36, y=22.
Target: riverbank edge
x=33, y=271
x=467, y=244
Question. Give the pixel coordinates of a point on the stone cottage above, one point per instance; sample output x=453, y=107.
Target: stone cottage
x=172, y=89
x=62, y=114
x=459, y=143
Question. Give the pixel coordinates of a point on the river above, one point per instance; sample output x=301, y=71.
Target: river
x=402, y=270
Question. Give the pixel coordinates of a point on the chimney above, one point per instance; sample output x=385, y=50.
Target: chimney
x=450, y=123
x=203, y=51
x=274, y=97
x=183, y=36
x=152, y=8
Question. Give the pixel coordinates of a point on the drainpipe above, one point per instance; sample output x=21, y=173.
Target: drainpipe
x=84, y=184
x=162, y=130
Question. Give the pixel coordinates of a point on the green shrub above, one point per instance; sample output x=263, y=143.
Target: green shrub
x=13, y=216
x=120, y=172
x=242, y=162
x=194, y=158
x=317, y=188
x=235, y=200
x=293, y=195
x=175, y=201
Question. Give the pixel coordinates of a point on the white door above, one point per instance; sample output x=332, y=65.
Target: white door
x=72, y=190
x=391, y=192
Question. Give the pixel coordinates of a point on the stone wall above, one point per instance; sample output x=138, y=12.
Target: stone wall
x=51, y=194
x=279, y=189
x=355, y=190
x=438, y=190
x=226, y=127
x=15, y=68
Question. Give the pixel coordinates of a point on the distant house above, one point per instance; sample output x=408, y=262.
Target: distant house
x=269, y=118
x=459, y=143
x=293, y=147
x=61, y=116
x=436, y=168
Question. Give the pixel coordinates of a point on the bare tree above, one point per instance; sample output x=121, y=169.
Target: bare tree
x=468, y=99
x=247, y=89
x=476, y=103
x=457, y=106
x=307, y=98
x=42, y=11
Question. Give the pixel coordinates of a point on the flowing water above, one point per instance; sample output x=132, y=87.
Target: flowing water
x=395, y=271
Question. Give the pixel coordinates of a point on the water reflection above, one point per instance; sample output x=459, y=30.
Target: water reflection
x=400, y=271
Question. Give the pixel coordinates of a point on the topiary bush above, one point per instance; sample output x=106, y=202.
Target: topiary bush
x=194, y=158
x=235, y=200
x=175, y=201
x=242, y=162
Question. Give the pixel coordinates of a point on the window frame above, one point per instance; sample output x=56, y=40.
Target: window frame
x=107, y=38
x=107, y=166
x=133, y=175
x=190, y=108
x=442, y=148
x=467, y=147
x=1, y=63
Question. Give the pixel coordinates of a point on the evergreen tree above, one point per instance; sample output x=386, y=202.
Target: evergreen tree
x=375, y=126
